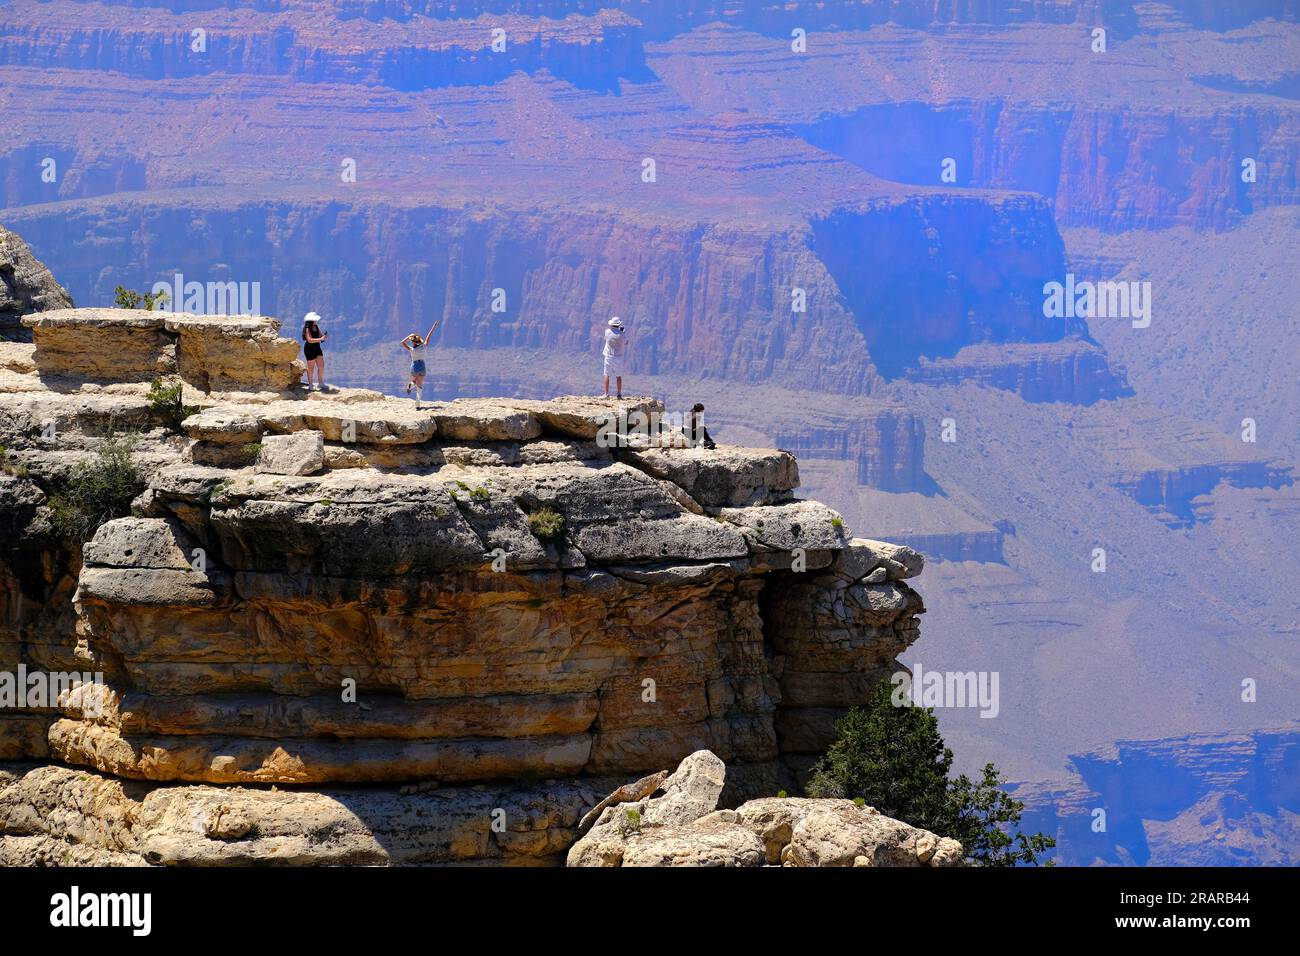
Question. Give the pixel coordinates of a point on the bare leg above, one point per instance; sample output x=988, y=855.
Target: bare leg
x=618, y=385
x=311, y=366
x=607, y=386
x=320, y=373
x=418, y=382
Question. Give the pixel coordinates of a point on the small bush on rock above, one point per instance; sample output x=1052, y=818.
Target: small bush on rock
x=546, y=523
x=97, y=490
x=125, y=298
x=166, y=401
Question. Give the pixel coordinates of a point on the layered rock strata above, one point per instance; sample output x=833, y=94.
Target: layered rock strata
x=339, y=588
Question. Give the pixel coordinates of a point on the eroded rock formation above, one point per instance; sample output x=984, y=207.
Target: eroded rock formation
x=672, y=820
x=340, y=588
x=26, y=285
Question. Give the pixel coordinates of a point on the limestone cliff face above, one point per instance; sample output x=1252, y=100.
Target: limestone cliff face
x=26, y=285
x=341, y=588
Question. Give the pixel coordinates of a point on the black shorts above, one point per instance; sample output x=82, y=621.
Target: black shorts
x=311, y=350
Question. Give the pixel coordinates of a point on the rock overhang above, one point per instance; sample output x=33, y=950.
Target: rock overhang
x=491, y=571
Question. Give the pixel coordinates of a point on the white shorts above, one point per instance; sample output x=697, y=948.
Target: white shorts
x=613, y=366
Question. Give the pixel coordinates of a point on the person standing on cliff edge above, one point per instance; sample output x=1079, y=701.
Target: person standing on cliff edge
x=312, y=337
x=615, y=348
x=415, y=344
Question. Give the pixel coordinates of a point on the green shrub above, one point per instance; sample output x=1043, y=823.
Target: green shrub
x=546, y=523
x=215, y=491
x=481, y=494
x=631, y=822
x=894, y=759
x=167, y=402
x=251, y=450
x=125, y=298
x=98, y=489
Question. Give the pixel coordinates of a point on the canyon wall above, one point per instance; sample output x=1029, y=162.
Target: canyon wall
x=337, y=588
x=1202, y=800
x=695, y=301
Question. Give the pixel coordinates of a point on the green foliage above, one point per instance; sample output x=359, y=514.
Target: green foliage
x=166, y=401
x=631, y=822
x=215, y=492
x=481, y=494
x=546, y=523
x=251, y=450
x=837, y=523
x=782, y=794
x=894, y=759
x=98, y=489
x=125, y=298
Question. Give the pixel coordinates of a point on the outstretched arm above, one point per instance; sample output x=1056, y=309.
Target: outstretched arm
x=433, y=328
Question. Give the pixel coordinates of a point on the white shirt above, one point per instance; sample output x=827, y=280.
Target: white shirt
x=614, y=343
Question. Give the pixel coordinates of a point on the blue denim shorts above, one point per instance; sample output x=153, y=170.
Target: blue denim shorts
x=417, y=367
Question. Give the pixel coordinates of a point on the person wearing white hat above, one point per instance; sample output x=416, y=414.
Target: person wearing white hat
x=615, y=348
x=312, y=337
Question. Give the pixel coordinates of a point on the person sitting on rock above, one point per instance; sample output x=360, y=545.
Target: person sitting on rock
x=415, y=344
x=312, y=337
x=615, y=347
x=694, y=428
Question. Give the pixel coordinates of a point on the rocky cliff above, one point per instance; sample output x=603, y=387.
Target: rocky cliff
x=26, y=285
x=337, y=588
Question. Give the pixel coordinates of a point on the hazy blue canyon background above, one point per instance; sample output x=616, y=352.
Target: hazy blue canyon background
x=819, y=169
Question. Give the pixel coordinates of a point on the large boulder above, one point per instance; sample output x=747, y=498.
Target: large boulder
x=723, y=477
x=233, y=352
x=712, y=841
x=208, y=352
x=877, y=561
x=301, y=453
x=676, y=825
x=839, y=835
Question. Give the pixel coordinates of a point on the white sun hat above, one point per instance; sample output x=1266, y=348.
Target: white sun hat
x=312, y=317
x=616, y=322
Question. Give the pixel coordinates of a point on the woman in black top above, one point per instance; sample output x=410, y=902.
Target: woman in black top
x=312, y=337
